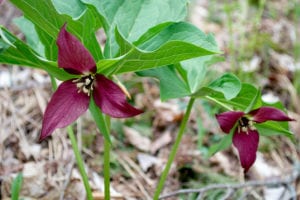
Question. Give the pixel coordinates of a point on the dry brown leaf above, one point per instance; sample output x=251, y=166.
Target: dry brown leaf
x=146, y=161
x=137, y=140
x=224, y=162
x=162, y=141
x=167, y=112
x=34, y=179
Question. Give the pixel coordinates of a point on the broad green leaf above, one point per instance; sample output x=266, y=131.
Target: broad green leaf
x=245, y=97
x=255, y=103
x=240, y=102
x=137, y=60
x=124, y=45
x=168, y=50
x=171, y=86
x=73, y=8
x=48, y=23
x=51, y=51
x=16, y=187
x=133, y=18
x=15, y=51
x=271, y=128
x=99, y=120
x=32, y=38
x=180, y=31
x=176, y=85
x=228, y=85
x=193, y=71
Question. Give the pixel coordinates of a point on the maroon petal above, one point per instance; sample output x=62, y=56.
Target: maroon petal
x=111, y=99
x=65, y=106
x=227, y=120
x=246, y=144
x=72, y=55
x=268, y=113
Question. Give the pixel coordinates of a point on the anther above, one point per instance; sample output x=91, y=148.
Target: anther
x=80, y=84
x=85, y=90
x=244, y=129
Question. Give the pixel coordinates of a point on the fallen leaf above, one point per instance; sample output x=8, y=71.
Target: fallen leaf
x=146, y=161
x=162, y=141
x=136, y=139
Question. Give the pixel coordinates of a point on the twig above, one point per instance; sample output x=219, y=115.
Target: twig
x=228, y=194
x=273, y=183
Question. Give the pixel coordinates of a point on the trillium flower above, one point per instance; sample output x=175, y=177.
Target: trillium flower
x=245, y=136
x=72, y=97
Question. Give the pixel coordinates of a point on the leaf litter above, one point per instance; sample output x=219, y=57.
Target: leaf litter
x=48, y=167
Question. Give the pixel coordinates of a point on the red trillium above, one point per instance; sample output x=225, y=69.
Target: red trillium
x=72, y=97
x=245, y=136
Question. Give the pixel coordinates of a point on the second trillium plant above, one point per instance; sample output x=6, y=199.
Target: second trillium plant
x=245, y=136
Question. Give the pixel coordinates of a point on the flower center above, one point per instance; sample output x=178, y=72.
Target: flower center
x=85, y=84
x=245, y=124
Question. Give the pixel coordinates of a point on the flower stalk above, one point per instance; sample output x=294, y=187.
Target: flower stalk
x=80, y=164
x=103, y=124
x=174, y=150
x=106, y=167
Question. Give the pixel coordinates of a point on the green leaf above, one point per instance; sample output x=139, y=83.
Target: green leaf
x=167, y=51
x=15, y=51
x=271, y=128
x=228, y=85
x=193, y=71
x=16, y=187
x=137, y=60
x=32, y=38
x=225, y=142
x=255, y=103
x=99, y=119
x=133, y=18
x=48, y=22
x=176, y=85
x=171, y=86
x=244, y=98
x=124, y=45
x=180, y=31
x=51, y=51
x=73, y=8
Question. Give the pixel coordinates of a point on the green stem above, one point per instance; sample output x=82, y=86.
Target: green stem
x=174, y=150
x=80, y=163
x=103, y=125
x=107, y=163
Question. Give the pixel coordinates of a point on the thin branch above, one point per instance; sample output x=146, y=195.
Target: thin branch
x=273, y=183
